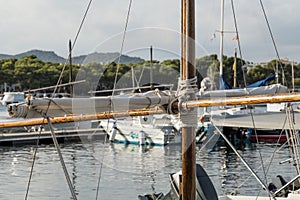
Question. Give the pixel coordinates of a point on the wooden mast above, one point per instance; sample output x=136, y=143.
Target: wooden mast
x=188, y=185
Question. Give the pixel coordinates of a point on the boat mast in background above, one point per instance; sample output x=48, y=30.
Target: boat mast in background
x=293, y=77
x=151, y=68
x=234, y=70
x=221, y=38
x=70, y=68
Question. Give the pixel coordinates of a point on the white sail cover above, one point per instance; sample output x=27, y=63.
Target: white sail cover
x=270, y=121
x=270, y=89
x=55, y=107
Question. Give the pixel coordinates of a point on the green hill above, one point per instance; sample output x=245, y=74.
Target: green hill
x=51, y=56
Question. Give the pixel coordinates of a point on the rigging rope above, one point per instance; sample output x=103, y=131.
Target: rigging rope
x=271, y=159
x=244, y=161
x=140, y=78
x=71, y=187
x=33, y=161
x=294, y=139
x=277, y=53
x=238, y=40
x=260, y=155
x=272, y=38
x=100, y=170
x=186, y=88
x=122, y=45
x=65, y=64
x=75, y=40
x=115, y=83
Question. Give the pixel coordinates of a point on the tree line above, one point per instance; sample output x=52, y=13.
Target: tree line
x=30, y=73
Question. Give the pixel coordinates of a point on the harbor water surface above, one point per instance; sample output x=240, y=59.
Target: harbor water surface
x=125, y=171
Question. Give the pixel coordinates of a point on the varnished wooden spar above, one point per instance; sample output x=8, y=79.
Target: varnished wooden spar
x=246, y=100
x=234, y=101
x=74, y=118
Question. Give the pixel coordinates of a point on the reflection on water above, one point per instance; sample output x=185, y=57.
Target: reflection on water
x=126, y=171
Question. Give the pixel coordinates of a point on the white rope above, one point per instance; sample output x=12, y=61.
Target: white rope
x=187, y=88
x=188, y=119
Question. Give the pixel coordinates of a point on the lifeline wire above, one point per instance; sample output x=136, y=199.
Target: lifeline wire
x=71, y=187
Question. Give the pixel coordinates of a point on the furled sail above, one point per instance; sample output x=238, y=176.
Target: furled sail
x=63, y=106
x=270, y=89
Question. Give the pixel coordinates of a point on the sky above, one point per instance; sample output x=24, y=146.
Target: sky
x=50, y=24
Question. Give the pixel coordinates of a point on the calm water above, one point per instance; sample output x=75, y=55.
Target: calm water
x=125, y=171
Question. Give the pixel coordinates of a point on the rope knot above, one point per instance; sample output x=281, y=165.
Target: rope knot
x=186, y=88
x=186, y=91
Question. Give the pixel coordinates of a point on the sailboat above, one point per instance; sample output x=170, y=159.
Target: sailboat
x=141, y=130
x=239, y=113
x=145, y=130
x=184, y=104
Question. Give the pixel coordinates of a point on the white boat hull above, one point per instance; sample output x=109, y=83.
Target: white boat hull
x=291, y=196
x=133, y=132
